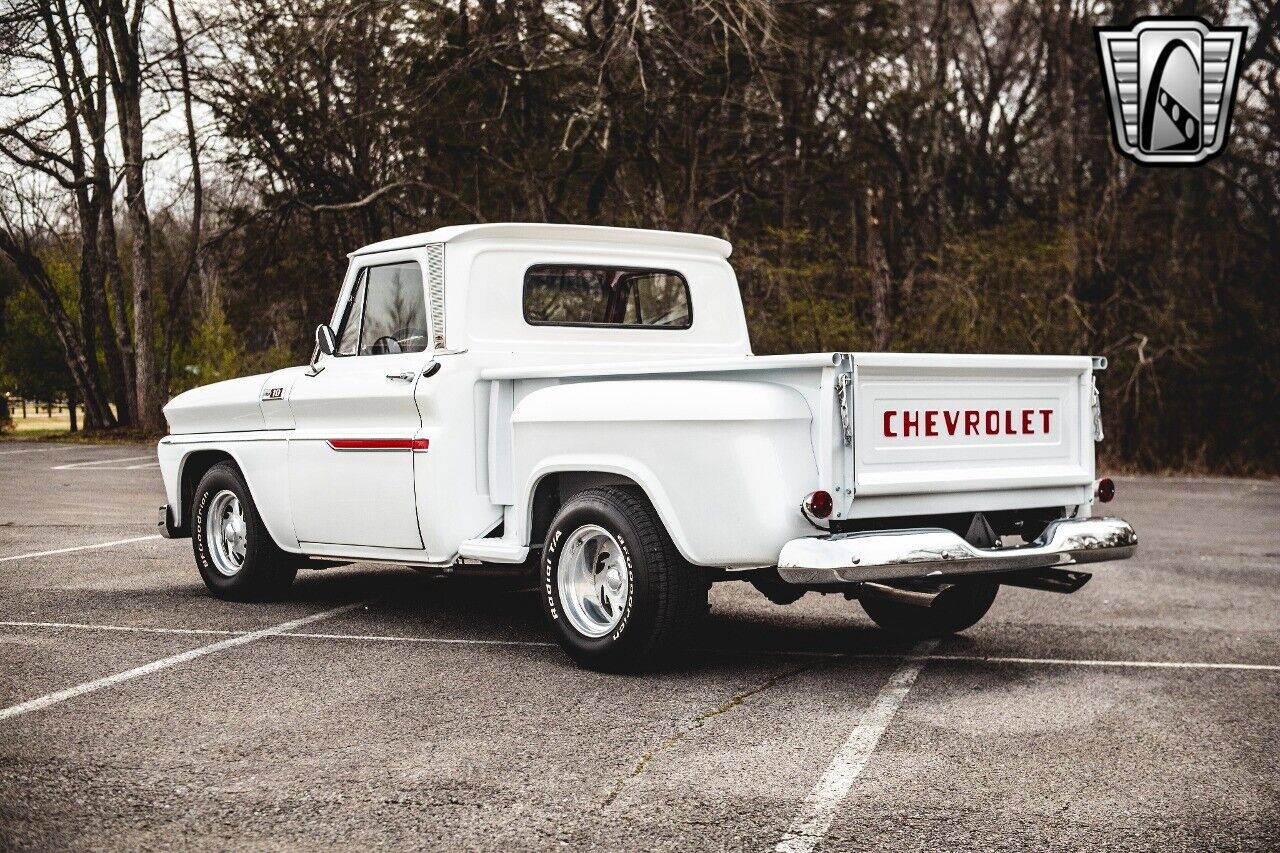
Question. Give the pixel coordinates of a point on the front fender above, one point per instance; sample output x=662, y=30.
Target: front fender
x=262, y=460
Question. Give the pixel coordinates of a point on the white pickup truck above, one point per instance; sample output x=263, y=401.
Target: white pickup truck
x=582, y=403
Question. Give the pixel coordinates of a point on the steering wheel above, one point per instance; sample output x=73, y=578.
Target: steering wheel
x=385, y=345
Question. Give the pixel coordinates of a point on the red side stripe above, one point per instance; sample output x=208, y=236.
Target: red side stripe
x=416, y=444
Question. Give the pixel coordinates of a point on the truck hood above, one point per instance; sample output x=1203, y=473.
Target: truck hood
x=230, y=406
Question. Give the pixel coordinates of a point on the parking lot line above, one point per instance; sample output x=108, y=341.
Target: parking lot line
x=79, y=548
x=468, y=641
x=143, y=629
x=811, y=824
x=105, y=464
x=1139, y=664
x=391, y=638
x=45, y=701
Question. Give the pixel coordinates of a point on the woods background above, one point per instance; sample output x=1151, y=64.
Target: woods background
x=180, y=182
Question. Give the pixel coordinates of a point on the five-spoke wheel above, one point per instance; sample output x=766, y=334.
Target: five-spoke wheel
x=618, y=594
x=593, y=581
x=228, y=535
x=234, y=550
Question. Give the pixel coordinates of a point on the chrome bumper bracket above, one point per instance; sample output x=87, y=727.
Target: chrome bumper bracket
x=167, y=528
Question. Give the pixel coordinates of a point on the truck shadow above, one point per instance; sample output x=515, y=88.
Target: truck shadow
x=403, y=602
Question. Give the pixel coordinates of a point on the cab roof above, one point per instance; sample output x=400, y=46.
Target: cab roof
x=555, y=233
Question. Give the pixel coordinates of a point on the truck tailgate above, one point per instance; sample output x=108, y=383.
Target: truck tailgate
x=941, y=424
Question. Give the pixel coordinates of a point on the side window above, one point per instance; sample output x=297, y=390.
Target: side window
x=387, y=312
x=624, y=297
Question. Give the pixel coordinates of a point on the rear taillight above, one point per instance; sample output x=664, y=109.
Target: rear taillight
x=818, y=504
x=1104, y=490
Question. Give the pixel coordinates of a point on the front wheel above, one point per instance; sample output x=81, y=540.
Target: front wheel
x=955, y=609
x=617, y=593
x=236, y=555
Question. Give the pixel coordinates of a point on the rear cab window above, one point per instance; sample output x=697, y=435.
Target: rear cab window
x=610, y=297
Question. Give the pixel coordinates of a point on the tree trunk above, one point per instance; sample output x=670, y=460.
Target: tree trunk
x=120, y=354
x=147, y=391
x=1063, y=122
x=191, y=262
x=127, y=402
x=126, y=84
x=879, y=269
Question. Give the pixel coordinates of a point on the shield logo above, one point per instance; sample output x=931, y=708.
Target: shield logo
x=1171, y=86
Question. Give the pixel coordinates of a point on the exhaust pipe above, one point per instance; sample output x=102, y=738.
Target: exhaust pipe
x=912, y=597
x=1046, y=580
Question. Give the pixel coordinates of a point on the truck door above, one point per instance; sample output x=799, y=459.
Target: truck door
x=357, y=426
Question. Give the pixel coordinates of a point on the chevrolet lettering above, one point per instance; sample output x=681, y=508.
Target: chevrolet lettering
x=966, y=422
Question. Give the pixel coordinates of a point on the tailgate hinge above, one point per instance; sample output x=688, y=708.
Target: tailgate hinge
x=844, y=382
x=1097, y=409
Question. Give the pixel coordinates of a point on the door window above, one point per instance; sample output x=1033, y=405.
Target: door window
x=387, y=312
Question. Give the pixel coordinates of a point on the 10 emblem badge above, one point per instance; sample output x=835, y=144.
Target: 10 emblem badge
x=1171, y=85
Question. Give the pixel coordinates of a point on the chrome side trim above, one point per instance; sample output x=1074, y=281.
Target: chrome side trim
x=932, y=552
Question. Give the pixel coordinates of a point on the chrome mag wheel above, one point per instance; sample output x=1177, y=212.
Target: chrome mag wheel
x=226, y=533
x=592, y=581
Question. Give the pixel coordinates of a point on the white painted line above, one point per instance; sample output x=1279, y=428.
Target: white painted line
x=143, y=629
x=811, y=824
x=30, y=450
x=1136, y=664
x=1132, y=664
x=467, y=641
x=101, y=464
x=389, y=638
x=43, y=702
x=80, y=548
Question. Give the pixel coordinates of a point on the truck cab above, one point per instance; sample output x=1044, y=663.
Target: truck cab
x=581, y=404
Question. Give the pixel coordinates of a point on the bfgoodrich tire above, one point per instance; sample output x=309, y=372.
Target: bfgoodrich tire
x=955, y=609
x=236, y=555
x=616, y=592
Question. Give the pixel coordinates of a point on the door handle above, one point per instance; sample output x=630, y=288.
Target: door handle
x=406, y=377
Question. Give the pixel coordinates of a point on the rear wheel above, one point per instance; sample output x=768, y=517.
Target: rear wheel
x=236, y=555
x=956, y=608
x=615, y=590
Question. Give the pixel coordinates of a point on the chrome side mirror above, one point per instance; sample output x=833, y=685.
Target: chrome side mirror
x=326, y=343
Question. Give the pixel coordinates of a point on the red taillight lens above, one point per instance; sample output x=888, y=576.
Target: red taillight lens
x=818, y=504
x=1105, y=490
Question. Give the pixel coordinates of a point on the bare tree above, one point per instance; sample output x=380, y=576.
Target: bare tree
x=119, y=27
x=59, y=136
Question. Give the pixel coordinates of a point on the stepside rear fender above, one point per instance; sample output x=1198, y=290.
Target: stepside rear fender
x=724, y=462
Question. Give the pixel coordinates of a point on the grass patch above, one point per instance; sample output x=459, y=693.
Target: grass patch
x=108, y=436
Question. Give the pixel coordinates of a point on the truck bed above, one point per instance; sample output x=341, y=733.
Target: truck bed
x=917, y=434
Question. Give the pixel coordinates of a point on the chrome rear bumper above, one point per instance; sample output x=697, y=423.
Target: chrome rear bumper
x=931, y=552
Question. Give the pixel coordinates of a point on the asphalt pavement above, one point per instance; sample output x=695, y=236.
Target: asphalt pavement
x=381, y=708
